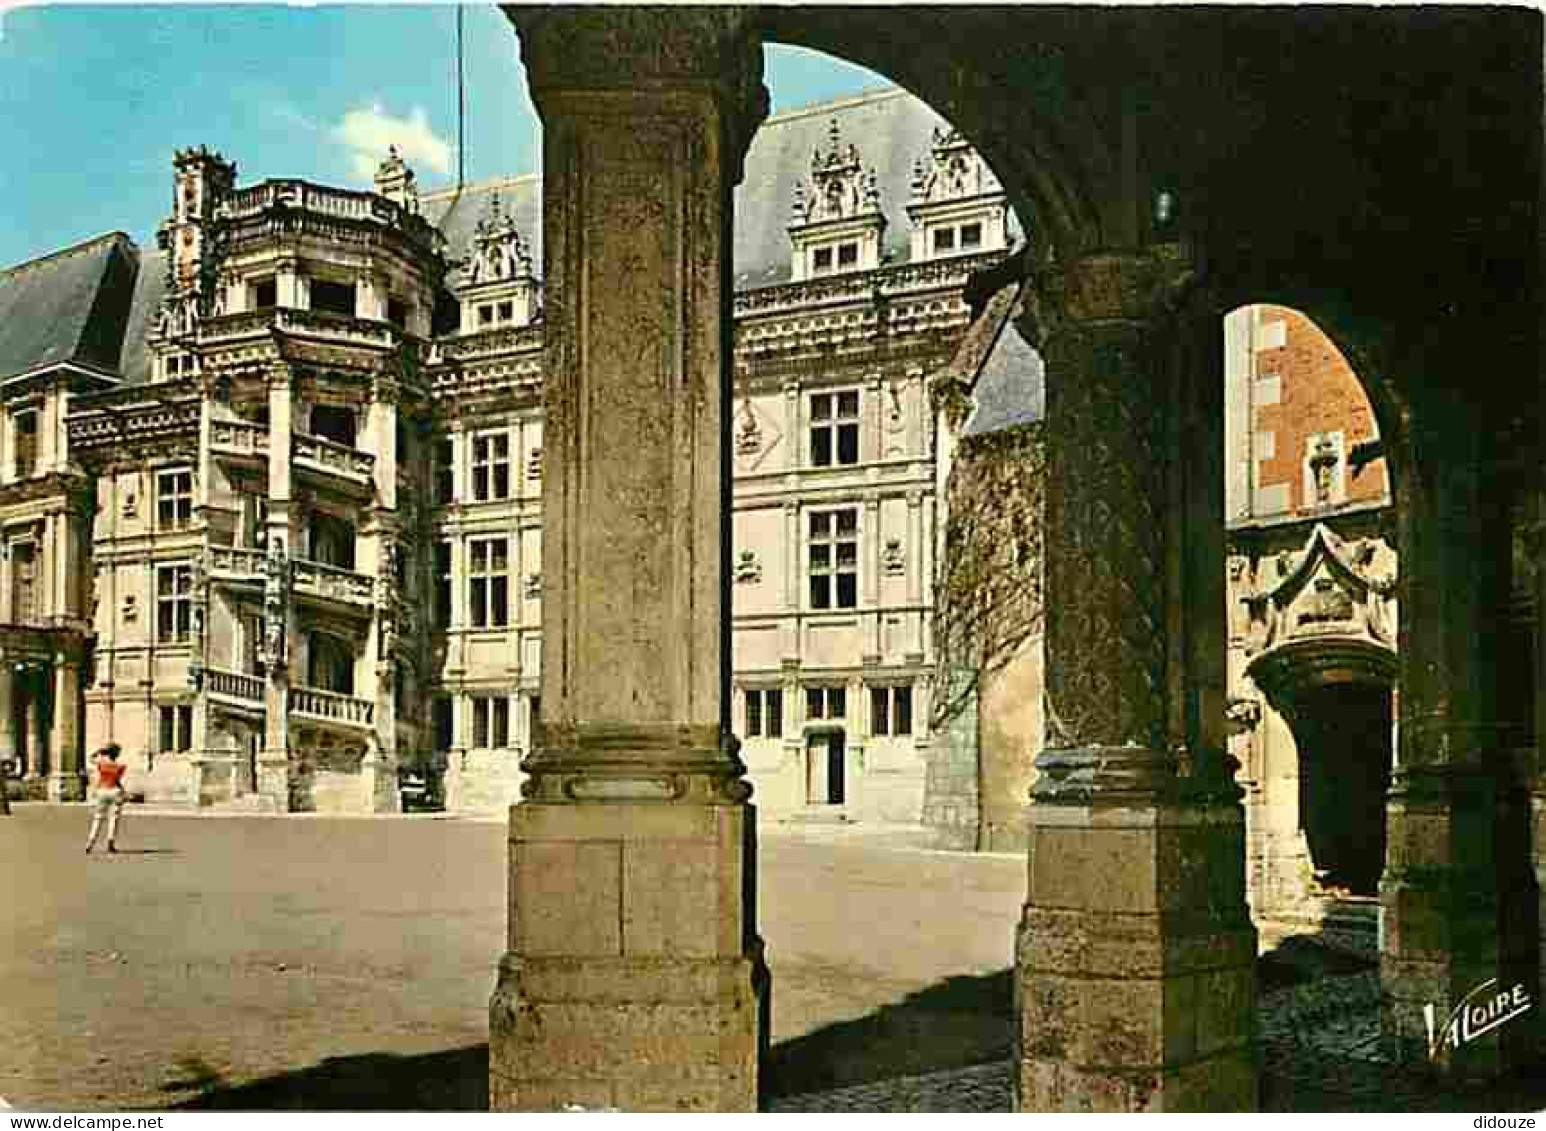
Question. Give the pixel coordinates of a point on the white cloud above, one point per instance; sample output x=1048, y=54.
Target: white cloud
x=366, y=133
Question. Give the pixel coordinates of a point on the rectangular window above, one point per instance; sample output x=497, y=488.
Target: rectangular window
x=490, y=722
x=506, y=312
x=488, y=579
x=822, y=260
x=334, y=422
x=174, y=499
x=397, y=312
x=445, y=731
x=330, y=664
x=834, y=559
x=847, y=255
x=176, y=729
x=534, y=718
x=174, y=603
x=944, y=239
x=835, y=428
x=491, y=466
x=442, y=585
x=971, y=235
x=332, y=541
x=445, y=472
x=264, y=294
x=891, y=710
x=332, y=298
x=25, y=425
x=826, y=703
x=764, y=712
x=486, y=314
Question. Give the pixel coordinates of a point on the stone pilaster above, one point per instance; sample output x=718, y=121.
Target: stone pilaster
x=1135, y=985
x=67, y=777
x=634, y=977
x=278, y=616
x=1456, y=895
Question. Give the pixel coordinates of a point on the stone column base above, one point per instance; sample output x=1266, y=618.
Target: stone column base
x=274, y=779
x=635, y=979
x=627, y=1034
x=379, y=781
x=66, y=787
x=1136, y=982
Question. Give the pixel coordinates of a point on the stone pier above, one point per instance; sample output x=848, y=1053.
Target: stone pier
x=634, y=977
x=1135, y=984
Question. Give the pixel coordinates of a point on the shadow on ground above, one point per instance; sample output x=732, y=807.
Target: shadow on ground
x=453, y=1080
x=956, y=1023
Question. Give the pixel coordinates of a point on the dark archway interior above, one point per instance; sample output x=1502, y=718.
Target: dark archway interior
x=1343, y=732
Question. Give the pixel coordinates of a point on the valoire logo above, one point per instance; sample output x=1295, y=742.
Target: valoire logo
x=1479, y=1012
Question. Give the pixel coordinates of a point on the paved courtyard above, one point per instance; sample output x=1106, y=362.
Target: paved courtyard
x=331, y=963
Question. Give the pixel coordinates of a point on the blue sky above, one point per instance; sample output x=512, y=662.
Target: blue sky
x=94, y=99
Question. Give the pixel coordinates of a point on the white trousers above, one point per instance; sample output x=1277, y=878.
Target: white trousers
x=106, y=803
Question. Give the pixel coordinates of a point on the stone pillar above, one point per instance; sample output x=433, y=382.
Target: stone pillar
x=7, y=731
x=634, y=977
x=378, y=556
x=36, y=724
x=1453, y=895
x=8, y=743
x=278, y=620
x=1135, y=983
x=67, y=777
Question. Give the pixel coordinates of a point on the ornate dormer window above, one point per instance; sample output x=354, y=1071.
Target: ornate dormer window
x=957, y=205
x=836, y=224
x=498, y=286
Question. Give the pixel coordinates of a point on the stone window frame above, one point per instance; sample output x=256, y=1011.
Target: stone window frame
x=174, y=498
x=491, y=481
x=174, y=728
x=764, y=712
x=442, y=566
x=833, y=427
x=174, y=602
x=488, y=581
x=832, y=699
x=32, y=411
x=443, y=483
x=891, y=710
x=832, y=558
x=490, y=721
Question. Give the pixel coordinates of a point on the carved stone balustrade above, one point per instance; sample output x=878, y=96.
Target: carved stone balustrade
x=330, y=707
x=330, y=583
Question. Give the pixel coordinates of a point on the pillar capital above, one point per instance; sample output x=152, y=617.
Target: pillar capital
x=1102, y=287
x=647, y=53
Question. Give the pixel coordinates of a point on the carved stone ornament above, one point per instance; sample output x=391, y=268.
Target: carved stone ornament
x=748, y=568
x=131, y=608
x=1324, y=621
x=840, y=188
x=534, y=464
x=533, y=587
x=893, y=559
x=499, y=251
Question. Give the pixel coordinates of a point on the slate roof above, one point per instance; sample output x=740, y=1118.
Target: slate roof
x=94, y=302
x=891, y=128
x=71, y=306
x=1003, y=370
x=149, y=287
x=1011, y=386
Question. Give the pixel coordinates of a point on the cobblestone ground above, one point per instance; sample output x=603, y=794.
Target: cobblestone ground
x=320, y=964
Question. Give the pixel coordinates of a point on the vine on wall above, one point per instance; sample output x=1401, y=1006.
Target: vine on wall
x=988, y=583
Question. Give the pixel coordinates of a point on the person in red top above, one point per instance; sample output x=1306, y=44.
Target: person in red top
x=109, y=797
